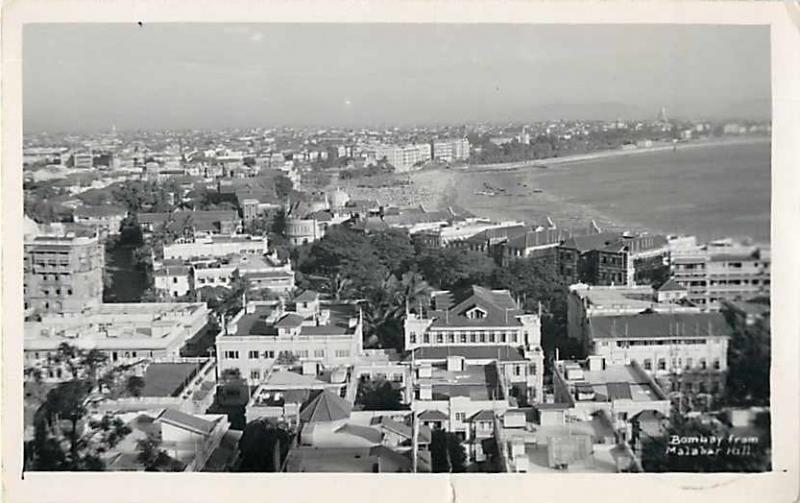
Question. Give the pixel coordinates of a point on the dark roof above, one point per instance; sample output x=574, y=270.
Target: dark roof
x=496, y=352
x=325, y=407
x=205, y=220
x=451, y=308
x=433, y=415
x=592, y=241
x=671, y=286
x=619, y=391
x=484, y=415
x=649, y=415
x=531, y=239
x=403, y=429
x=187, y=421
x=167, y=379
x=100, y=211
x=291, y=320
x=497, y=233
x=659, y=325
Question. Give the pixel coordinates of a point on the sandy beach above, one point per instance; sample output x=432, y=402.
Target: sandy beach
x=648, y=188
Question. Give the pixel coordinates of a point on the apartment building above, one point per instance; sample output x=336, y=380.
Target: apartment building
x=401, y=157
x=451, y=150
x=264, y=334
x=62, y=274
x=722, y=271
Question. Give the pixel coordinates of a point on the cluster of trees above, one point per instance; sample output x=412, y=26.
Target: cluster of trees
x=548, y=146
x=264, y=446
x=749, y=358
x=65, y=437
x=379, y=394
x=138, y=196
x=382, y=168
x=390, y=273
x=447, y=453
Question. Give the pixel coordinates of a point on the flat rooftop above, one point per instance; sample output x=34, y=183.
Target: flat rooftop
x=256, y=324
x=598, y=297
x=341, y=459
x=168, y=379
x=478, y=382
x=615, y=382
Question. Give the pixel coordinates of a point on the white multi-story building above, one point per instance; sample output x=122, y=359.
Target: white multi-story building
x=683, y=351
x=264, y=334
x=722, y=270
x=216, y=246
x=451, y=150
x=124, y=332
x=481, y=325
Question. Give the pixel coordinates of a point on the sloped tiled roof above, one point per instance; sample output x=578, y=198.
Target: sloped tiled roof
x=325, y=407
x=451, y=308
x=619, y=391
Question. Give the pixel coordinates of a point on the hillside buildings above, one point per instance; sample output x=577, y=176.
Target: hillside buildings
x=611, y=258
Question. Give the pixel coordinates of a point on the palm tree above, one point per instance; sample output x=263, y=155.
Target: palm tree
x=69, y=355
x=92, y=360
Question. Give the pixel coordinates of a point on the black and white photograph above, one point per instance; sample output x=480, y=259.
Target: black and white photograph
x=396, y=248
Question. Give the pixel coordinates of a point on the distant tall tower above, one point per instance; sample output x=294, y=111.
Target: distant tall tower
x=662, y=115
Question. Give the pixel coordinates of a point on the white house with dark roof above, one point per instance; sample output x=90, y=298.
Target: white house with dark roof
x=685, y=351
x=479, y=326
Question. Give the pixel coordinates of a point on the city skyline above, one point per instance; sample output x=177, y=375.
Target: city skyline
x=242, y=76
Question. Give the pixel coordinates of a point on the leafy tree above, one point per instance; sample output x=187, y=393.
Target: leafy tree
x=134, y=385
x=283, y=186
x=155, y=459
x=749, y=357
x=92, y=360
x=448, y=268
x=394, y=249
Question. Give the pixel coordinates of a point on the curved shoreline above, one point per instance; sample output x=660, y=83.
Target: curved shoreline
x=604, y=154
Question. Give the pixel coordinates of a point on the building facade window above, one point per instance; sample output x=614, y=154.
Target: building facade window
x=230, y=355
x=253, y=355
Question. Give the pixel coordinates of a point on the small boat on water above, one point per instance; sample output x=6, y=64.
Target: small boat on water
x=537, y=191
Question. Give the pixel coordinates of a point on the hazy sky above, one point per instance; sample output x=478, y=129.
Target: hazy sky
x=88, y=77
